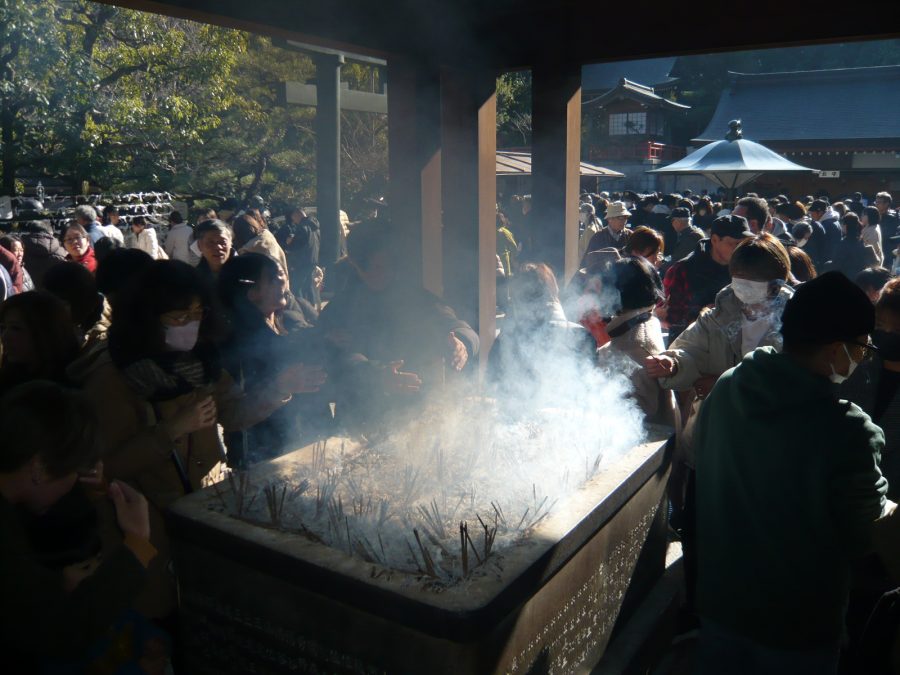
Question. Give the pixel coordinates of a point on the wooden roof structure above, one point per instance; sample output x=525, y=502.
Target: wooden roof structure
x=518, y=163
x=514, y=33
x=626, y=89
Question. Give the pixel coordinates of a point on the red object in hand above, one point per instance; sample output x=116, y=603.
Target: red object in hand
x=597, y=327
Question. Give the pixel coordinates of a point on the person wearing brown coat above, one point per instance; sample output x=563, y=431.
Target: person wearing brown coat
x=160, y=392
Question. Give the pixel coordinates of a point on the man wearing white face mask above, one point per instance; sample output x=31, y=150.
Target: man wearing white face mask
x=788, y=489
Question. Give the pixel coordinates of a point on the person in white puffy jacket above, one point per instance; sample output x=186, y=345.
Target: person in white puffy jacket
x=144, y=238
x=178, y=241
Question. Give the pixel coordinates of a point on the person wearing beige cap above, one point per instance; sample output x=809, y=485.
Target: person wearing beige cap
x=615, y=234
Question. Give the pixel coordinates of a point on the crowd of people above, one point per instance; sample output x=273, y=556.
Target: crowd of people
x=136, y=365
x=745, y=327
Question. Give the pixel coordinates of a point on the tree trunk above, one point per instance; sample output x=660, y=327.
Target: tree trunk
x=258, y=172
x=7, y=140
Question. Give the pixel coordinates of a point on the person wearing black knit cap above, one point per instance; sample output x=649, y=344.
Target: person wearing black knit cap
x=787, y=491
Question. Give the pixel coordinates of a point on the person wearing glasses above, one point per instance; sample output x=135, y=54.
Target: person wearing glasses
x=875, y=385
x=159, y=389
x=788, y=489
x=79, y=248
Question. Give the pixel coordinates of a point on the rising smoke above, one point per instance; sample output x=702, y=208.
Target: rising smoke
x=498, y=460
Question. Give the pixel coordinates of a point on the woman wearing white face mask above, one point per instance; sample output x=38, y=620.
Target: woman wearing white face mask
x=160, y=391
x=746, y=316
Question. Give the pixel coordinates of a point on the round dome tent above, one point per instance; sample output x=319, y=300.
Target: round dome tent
x=732, y=162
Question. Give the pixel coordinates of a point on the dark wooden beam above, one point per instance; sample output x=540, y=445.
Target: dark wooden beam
x=469, y=196
x=328, y=155
x=505, y=34
x=555, y=165
x=414, y=150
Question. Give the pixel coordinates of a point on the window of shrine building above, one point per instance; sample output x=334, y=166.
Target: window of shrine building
x=622, y=124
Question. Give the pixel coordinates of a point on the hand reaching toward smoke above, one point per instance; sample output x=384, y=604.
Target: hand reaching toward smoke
x=395, y=381
x=458, y=353
x=660, y=366
x=301, y=379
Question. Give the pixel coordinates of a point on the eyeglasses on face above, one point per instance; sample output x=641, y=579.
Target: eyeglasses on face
x=869, y=349
x=74, y=239
x=181, y=317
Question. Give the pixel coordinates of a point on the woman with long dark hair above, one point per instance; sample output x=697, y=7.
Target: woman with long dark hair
x=265, y=336
x=251, y=235
x=160, y=390
x=38, y=339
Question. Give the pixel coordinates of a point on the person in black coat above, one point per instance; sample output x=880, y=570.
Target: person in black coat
x=388, y=320
x=817, y=212
x=853, y=255
x=300, y=238
x=42, y=249
x=267, y=335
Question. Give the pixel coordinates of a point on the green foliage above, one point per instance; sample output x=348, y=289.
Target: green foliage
x=514, y=109
x=130, y=100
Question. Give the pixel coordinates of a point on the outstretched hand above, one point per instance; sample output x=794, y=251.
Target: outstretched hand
x=459, y=355
x=659, y=366
x=396, y=381
x=301, y=379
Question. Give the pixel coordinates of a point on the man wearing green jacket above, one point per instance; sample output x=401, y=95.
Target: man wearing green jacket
x=788, y=487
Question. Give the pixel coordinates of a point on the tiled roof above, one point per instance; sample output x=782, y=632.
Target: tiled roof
x=604, y=76
x=637, y=92
x=842, y=104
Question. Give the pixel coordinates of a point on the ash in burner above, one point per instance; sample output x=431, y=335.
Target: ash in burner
x=442, y=497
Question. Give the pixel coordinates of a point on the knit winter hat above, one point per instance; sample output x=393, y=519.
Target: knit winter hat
x=829, y=308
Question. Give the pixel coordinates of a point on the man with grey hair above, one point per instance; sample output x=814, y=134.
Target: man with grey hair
x=86, y=216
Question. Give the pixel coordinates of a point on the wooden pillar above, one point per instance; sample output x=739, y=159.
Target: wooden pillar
x=469, y=196
x=414, y=149
x=328, y=154
x=555, y=164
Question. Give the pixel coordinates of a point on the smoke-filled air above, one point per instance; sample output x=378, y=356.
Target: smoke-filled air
x=445, y=492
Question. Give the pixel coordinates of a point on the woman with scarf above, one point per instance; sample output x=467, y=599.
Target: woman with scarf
x=635, y=332
x=159, y=391
x=78, y=246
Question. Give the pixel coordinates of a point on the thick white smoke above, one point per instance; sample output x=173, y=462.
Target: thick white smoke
x=503, y=458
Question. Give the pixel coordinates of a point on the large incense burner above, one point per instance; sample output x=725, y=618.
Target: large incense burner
x=488, y=546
